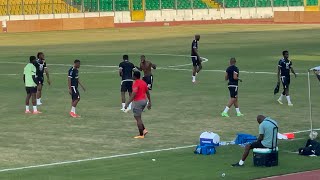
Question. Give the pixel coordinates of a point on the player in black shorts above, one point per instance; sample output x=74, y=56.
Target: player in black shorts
x=41, y=67
x=196, y=60
x=284, y=68
x=232, y=75
x=73, y=82
x=146, y=67
x=125, y=71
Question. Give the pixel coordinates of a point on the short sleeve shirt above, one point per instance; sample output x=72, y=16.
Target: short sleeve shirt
x=140, y=88
x=266, y=128
x=29, y=71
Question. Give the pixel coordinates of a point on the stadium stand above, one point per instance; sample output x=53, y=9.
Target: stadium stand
x=18, y=7
x=28, y=7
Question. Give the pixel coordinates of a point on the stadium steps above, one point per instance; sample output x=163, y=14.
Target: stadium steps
x=15, y=7
x=211, y=3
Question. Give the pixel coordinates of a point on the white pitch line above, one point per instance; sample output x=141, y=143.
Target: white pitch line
x=297, y=132
x=204, y=61
x=105, y=157
x=96, y=72
x=69, y=65
x=93, y=159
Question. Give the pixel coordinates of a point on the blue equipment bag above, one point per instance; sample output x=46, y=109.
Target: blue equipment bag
x=245, y=138
x=205, y=150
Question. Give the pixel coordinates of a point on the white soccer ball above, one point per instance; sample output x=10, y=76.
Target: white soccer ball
x=223, y=174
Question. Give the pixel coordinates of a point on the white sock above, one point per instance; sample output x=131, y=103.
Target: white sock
x=226, y=109
x=193, y=78
x=73, y=109
x=123, y=105
x=35, y=109
x=288, y=99
x=27, y=108
x=281, y=97
x=129, y=107
x=241, y=162
x=238, y=110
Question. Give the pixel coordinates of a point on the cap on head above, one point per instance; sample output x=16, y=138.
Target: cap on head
x=137, y=75
x=125, y=57
x=260, y=118
x=32, y=58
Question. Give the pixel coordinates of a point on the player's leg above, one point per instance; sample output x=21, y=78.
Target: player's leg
x=39, y=90
x=287, y=93
x=230, y=103
x=284, y=92
x=28, y=100
x=236, y=103
x=247, y=151
x=123, y=91
x=34, y=100
x=199, y=66
x=75, y=100
x=138, y=108
x=194, y=68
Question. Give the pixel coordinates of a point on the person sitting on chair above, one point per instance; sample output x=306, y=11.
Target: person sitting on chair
x=266, y=136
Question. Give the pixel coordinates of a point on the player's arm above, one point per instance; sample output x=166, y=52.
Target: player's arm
x=195, y=51
x=153, y=66
x=149, y=98
x=84, y=89
x=226, y=76
x=260, y=138
x=24, y=78
x=120, y=71
x=47, y=73
x=34, y=79
x=292, y=70
x=139, y=68
x=69, y=84
x=278, y=74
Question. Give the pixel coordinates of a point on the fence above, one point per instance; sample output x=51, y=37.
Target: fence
x=27, y=7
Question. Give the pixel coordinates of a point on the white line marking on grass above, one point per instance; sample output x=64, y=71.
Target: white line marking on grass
x=93, y=159
x=204, y=61
x=69, y=65
x=105, y=157
x=96, y=72
x=297, y=132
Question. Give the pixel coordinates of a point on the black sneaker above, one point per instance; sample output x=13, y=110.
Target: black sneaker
x=237, y=165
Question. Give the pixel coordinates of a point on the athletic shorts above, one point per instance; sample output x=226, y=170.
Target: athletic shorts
x=285, y=81
x=40, y=80
x=126, y=86
x=149, y=81
x=196, y=61
x=31, y=90
x=233, y=89
x=75, y=95
x=138, y=107
x=256, y=144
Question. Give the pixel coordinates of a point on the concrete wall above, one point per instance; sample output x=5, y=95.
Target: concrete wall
x=170, y=15
x=297, y=17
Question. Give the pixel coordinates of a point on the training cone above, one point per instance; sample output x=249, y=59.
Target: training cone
x=289, y=135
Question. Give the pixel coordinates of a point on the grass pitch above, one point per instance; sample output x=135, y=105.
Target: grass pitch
x=181, y=110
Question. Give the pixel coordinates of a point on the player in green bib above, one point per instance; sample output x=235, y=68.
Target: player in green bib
x=30, y=81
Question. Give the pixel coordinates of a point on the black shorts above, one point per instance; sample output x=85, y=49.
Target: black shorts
x=256, y=144
x=285, y=81
x=233, y=89
x=31, y=90
x=149, y=81
x=40, y=80
x=196, y=61
x=75, y=95
x=126, y=86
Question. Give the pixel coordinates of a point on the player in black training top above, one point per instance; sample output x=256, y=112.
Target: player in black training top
x=232, y=75
x=284, y=68
x=42, y=68
x=73, y=82
x=196, y=60
x=125, y=71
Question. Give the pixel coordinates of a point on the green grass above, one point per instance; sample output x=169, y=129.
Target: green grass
x=181, y=110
